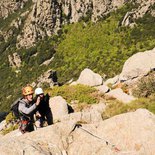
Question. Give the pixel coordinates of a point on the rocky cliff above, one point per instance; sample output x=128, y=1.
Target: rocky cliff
x=138, y=12
x=8, y=7
x=47, y=17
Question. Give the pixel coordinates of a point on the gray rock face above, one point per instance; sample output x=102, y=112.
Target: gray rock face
x=15, y=60
x=138, y=65
x=43, y=20
x=144, y=7
x=44, y=78
x=88, y=77
x=9, y=6
x=128, y=132
x=47, y=17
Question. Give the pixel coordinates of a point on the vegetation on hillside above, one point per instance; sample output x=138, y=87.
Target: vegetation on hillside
x=103, y=47
x=79, y=93
x=115, y=107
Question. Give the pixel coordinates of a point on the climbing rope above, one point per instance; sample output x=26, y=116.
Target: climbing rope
x=113, y=147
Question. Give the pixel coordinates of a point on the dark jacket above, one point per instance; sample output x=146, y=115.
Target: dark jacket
x=43, y=107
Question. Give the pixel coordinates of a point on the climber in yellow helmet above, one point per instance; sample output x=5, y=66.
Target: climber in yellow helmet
x=27, y=109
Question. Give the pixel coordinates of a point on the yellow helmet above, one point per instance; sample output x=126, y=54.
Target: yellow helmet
x=27, y=90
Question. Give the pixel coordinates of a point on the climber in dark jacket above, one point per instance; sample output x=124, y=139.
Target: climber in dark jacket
x=27, y=109
x=43, y=108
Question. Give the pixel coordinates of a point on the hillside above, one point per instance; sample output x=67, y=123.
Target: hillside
x=88, y=36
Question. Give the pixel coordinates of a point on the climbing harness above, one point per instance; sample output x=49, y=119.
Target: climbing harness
x=113, y=147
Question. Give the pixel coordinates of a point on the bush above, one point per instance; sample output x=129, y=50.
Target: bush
x=10, y=117
x=145, y=87
x=9, y=129
x=115, y=107
x=81, y=93
x=11, y=124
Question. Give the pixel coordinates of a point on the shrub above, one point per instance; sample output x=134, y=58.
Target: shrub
x=9, y=129
x=115, y=107
x=10, y=117
x=81, y=93
x=11, y=124
x=145, y=87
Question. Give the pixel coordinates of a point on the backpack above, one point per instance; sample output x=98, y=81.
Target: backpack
x=14, y=107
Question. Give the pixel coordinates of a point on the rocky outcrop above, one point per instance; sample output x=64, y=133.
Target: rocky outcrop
x=144, y=6
x=14, y=60
x=88, y=77
x=128, y=132
x=10, y=6
x=120, y=95
x=138, y=65
x=47, y=17
x=43, y=79
x=43, y=20
x=58, y=107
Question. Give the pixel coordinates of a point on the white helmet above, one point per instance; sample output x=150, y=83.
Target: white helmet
x=39, y=91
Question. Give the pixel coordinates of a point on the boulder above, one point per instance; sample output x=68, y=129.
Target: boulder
x=102, y=89
x=58, y=107
x=120, y=95
x=112, y=81
x=88, y=77
x=128, y=132
x=138, y=65
x=2, y=125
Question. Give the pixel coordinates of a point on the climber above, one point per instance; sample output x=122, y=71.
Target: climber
x=43, y=108
x=27, y=108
